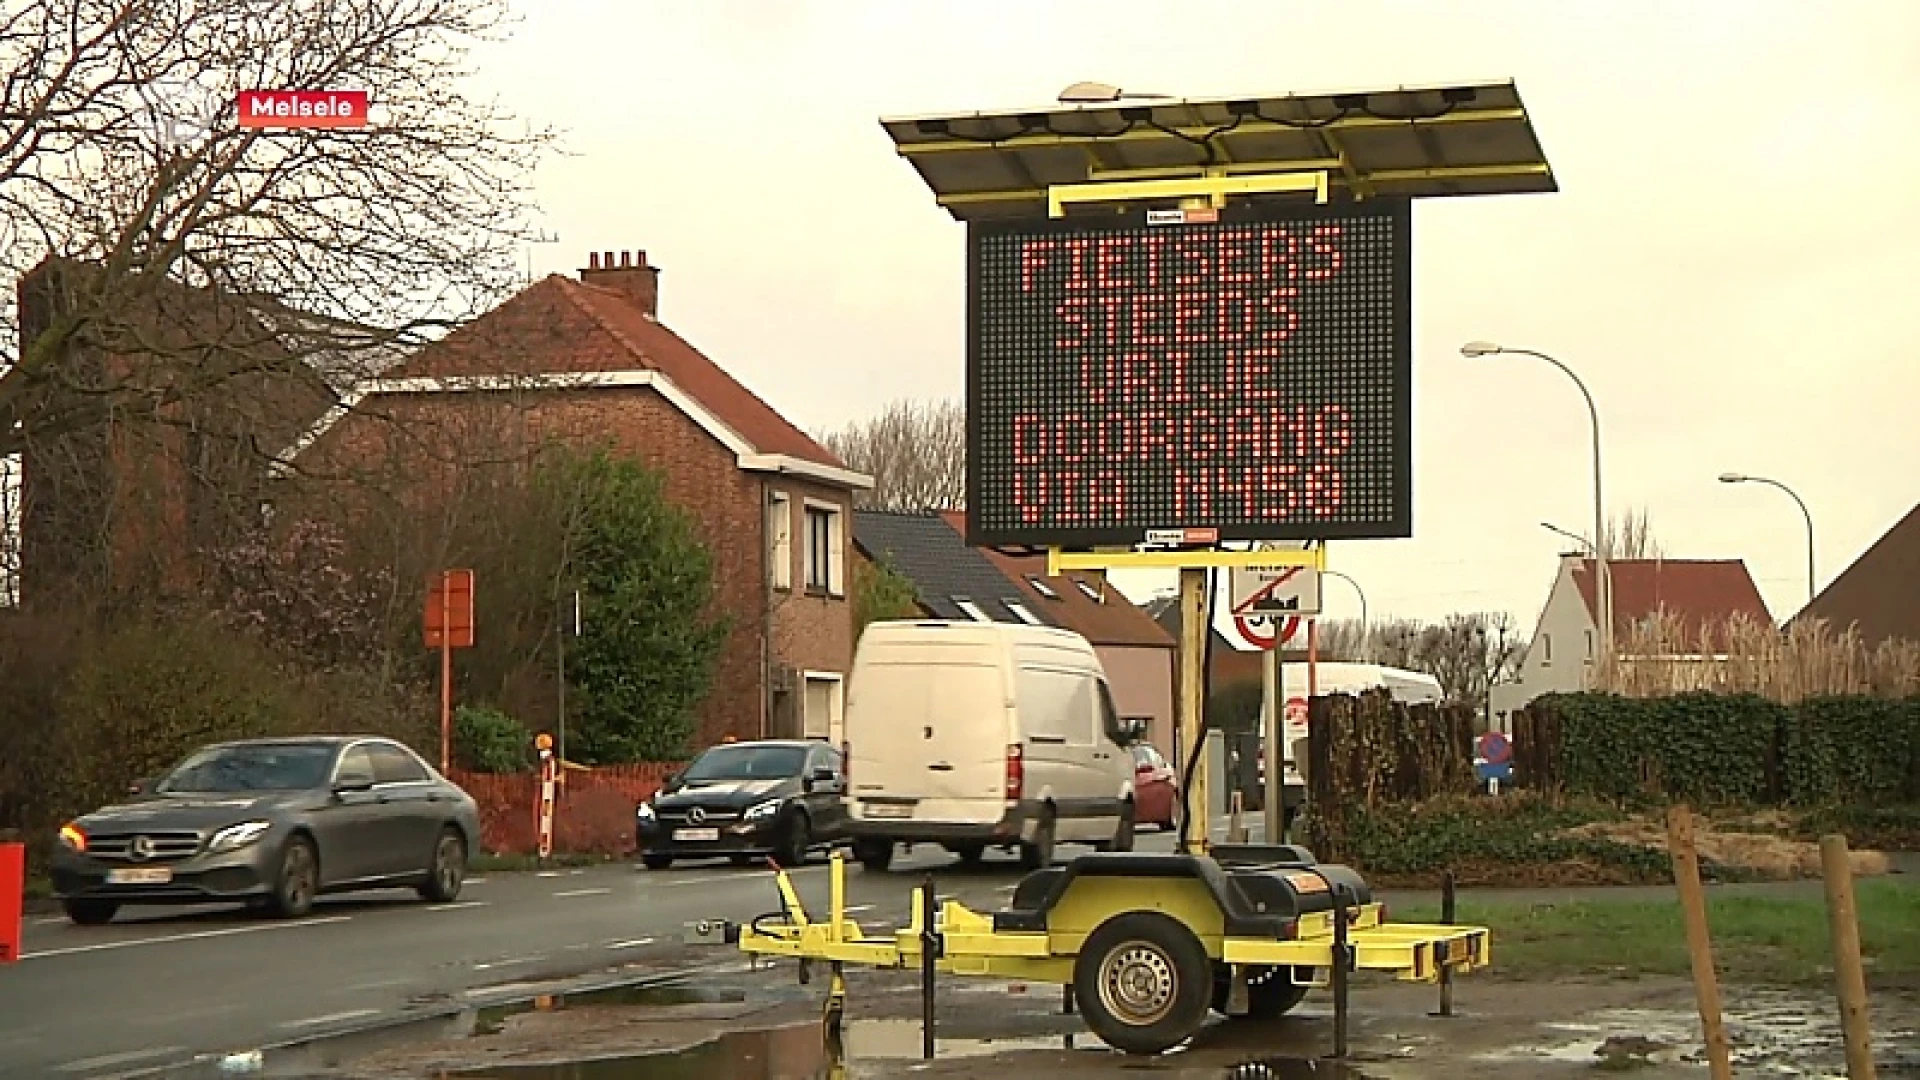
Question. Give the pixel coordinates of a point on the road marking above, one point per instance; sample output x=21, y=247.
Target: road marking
x=546, y=873
x=514, y=962
x=857, y=909
x=476, y=881
x=331, y=1018
x=196, y=935
x=634, y=944
x=108, y=1061
x=459, y=906
x=583, y=892
x=48, y=922
x=378, y=984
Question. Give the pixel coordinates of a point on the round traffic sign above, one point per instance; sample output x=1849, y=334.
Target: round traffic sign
x=1495, y=749
x=1260, y=631
x=1296, y=710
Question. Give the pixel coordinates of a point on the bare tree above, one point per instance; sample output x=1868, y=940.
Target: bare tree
x=1341, y=641
x=122, y=164
x=915, y=451
x=9, y=531
x=1466, y=653
x=1630, y=536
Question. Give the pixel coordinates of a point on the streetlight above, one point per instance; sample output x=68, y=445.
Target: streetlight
x=1603, y=588
x=1585, y=544
x=1366, y=637
x=1742, y=478
x=1098, y=93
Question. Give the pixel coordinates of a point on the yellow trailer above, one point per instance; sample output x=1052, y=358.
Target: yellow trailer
x=1145, y=944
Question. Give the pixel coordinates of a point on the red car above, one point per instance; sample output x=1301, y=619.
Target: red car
x=1156, y=790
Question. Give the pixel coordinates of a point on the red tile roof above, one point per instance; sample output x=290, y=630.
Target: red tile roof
x=1700, y=593
x=1111, y=620
x=1879, y=595
x=559, y=326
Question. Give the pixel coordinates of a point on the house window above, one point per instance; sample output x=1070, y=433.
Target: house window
x=823, y=543
x=1546, y=648
x=1093, y=594
x=1589, y=646
x=1020, y=612
x=1042, y=588
x=970, y=609
x=780, y=540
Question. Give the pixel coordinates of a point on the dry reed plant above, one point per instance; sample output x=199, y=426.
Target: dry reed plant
x=1744, y=655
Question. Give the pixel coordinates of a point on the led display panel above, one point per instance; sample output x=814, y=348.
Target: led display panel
x=1246, y=371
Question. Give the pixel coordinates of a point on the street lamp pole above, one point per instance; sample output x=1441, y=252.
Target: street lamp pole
x=1805, y=514
x=1603, y=579
x=1366, y=635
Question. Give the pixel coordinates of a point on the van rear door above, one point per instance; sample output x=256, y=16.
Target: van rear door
x=929, y=739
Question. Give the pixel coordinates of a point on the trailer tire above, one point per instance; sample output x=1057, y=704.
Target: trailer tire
x=875, y=855
x=1143, y=982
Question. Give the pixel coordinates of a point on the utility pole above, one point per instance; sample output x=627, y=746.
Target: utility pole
x=569, y=625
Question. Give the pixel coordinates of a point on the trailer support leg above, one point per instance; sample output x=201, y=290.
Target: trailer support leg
x=834, y=1016
x=1447, y=915
x=1066, y=999
x=929, y=952
x=1342, y=958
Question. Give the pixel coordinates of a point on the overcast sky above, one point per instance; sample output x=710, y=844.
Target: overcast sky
x=1729, y=264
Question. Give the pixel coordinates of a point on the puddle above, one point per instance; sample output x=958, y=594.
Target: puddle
x=1772, y=1035
x=789, y=1053
x=493, y=1019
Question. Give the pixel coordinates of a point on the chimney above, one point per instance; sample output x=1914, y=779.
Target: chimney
x=630, y=276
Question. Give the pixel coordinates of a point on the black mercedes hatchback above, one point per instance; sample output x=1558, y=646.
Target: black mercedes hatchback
x=743, y=800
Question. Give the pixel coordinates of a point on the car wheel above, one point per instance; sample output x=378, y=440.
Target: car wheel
x=448, y=870
x=1038, y=855
x=90, y=912
x=795, y=839
x=970, y=854
x=297, y=881
x=656, y=862
x=1143, y=982
x=874, y=855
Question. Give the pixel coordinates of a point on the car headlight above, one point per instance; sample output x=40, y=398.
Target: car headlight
x=73, y=838
x=238, y=836
x=645, y=813
x=763, y=810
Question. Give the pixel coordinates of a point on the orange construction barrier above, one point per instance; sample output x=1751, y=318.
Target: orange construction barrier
x=13, y=897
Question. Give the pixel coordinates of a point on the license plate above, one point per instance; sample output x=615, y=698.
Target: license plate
x=696, y=834
x=153, y=875
x=889, y=810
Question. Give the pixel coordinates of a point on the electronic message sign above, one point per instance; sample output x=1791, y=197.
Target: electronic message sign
x=1246, y=371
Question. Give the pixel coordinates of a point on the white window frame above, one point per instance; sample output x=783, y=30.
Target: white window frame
x=780, y=540
x=836, y=546
x=1021, y=612
x=970, y=609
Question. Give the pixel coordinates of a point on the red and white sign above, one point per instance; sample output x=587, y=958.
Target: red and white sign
x=549, y=775
x=1258, y=633
x=1297, y=712
x=302, y=108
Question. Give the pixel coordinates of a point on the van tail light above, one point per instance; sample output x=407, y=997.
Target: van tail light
x=846, y=764
x=1016, y=773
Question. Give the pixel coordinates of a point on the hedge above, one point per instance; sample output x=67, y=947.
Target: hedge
x=1722, y=749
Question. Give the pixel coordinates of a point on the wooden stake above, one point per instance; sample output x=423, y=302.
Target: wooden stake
x=1849, y=975
x=1693, y=905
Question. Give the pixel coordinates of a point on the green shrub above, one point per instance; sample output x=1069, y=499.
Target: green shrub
x=486, y=740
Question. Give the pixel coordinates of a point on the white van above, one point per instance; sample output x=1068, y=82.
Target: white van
x=973, y=735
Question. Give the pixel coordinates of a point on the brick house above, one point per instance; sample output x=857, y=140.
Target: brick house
x=588, y=361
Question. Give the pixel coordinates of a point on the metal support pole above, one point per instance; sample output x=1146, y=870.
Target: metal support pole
x=1341, y=961
x=1274, y=755
x=1447, y=917
x=446, y=672
x=929, y=952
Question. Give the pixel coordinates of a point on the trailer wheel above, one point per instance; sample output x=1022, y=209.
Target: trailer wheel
x=1144, y=982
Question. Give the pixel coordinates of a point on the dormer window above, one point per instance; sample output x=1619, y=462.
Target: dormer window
x=1092, y=593
x=1042, y=587
x=970, y=609
x=1020, y=612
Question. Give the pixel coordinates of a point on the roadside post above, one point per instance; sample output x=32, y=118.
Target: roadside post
x=1849, y=975
x=13, y=898
x=449, y=626
x=543, y=803
x=1693, y=905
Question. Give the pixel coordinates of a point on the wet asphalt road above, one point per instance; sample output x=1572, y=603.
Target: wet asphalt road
x=160, y=985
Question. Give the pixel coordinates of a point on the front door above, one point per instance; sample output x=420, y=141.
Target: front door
x=348, y=827
x=822, y=709
x=409, y=817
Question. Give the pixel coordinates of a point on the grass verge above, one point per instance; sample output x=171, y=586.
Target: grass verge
x=1757, y=940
